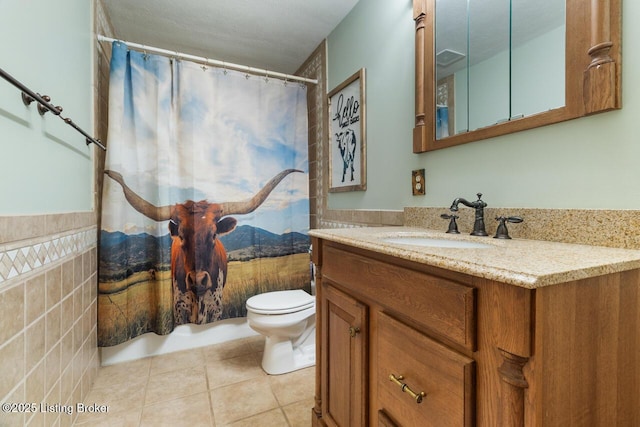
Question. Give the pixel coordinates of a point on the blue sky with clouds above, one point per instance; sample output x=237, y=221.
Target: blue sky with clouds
x=179, y=131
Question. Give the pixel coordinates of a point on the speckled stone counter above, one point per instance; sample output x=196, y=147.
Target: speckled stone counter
x=526, y=263
x=599, y=227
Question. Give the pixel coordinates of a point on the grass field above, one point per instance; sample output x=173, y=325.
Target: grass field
x=138, y=304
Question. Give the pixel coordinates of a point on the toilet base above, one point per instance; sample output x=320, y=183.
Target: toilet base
x=280, y=357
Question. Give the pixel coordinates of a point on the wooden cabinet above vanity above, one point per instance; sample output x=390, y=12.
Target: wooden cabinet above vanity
x=489, y=68
x=420, y=336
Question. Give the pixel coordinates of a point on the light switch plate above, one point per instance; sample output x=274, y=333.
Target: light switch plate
x=417, y=182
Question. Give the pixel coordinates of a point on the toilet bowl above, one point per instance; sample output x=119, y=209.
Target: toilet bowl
x=288, y=322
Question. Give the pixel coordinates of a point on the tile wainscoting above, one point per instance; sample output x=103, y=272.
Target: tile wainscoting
x=48, y=294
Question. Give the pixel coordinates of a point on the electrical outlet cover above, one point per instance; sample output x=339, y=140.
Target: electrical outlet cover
x=418, y=182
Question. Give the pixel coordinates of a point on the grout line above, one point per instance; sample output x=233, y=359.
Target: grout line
x=206, y=376
x=284, y=414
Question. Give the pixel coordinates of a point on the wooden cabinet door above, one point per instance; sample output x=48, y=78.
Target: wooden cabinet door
x=344, y=363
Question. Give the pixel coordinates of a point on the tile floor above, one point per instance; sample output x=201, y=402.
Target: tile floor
x=220, y=385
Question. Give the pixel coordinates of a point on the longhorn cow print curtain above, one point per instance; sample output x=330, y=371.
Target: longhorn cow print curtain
x=205, y=196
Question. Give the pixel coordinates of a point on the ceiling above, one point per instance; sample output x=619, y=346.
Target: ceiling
x=277, y=35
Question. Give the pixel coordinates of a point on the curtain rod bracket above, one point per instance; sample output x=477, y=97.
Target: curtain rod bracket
x=90, y=140
x=26, y=99
x=43, y=109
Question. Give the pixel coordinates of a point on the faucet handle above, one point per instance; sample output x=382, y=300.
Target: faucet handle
x=502, y=232
x=480, y=203
x=453, y=225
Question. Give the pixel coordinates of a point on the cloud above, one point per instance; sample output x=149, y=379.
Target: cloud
x=206, y=135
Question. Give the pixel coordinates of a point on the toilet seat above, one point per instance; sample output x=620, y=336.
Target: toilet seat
x=280, y=302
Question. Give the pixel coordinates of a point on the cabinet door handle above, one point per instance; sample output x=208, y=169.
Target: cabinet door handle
x=353, y=331
x=405, y=388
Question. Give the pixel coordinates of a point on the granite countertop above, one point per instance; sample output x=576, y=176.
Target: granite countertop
x=527, y=263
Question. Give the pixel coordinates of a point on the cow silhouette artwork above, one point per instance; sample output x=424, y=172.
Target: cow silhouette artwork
x=347, y=145
x=198, y=258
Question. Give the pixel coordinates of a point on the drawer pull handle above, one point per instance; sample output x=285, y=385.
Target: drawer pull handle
x=353, y=331
x=405, y=388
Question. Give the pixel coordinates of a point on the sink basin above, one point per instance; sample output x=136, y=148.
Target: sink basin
x=435, y=243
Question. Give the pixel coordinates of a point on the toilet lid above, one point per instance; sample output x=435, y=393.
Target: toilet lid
x=280, y=302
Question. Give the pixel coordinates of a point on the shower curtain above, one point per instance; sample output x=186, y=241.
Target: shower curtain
x=205, y=196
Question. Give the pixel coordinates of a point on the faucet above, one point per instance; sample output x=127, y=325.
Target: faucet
x=502, y=232
x=478, y=205
x=453, y=226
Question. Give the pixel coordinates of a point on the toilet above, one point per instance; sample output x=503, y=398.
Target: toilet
x=288, y=322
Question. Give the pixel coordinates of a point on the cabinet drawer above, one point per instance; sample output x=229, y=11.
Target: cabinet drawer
x=445, y=376
x=442, y=306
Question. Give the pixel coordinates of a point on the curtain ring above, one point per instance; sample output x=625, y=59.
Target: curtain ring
x=224, y=68
x=266, y=76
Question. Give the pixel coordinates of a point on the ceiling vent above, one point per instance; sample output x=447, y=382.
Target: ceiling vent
x=447, y=57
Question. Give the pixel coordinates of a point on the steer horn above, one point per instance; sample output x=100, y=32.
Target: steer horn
x=163, y=213
x=247, y=206
x=138, y=203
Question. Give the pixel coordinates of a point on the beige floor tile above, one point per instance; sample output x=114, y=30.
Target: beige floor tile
x=192, y=411
x=126, y=419
x=36, y=419
x=294, y=386
x=299, y=413
x=242, y=400
x=120, y=398
x=273, y=418
x=226, y=350
x=123, y=419
x=256, y=343
x=121, y=373
x=234, y=370
x=177, y=360
x=169, y=389
x=14, y=419
x=175, y=384
x=258, y=356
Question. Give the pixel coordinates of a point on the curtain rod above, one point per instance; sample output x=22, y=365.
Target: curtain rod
x=203, y=60
x=28, y=96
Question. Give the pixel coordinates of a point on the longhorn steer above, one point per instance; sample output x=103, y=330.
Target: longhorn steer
x=198, y=258
x=347, y=146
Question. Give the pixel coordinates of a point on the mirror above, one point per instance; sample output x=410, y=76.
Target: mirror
x=505, y=57
x=486, y=68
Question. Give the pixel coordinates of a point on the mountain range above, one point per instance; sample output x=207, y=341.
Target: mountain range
x=123, y=254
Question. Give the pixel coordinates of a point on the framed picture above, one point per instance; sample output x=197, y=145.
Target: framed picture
x=347, y=135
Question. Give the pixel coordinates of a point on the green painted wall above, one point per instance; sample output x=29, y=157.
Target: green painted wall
x=592, y=162
x=46, y=166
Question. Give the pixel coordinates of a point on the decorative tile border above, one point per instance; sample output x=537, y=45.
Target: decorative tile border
x=24, y=257
x=335, y=224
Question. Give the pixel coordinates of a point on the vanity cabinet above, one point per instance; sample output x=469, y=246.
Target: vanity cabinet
x=403, y=343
